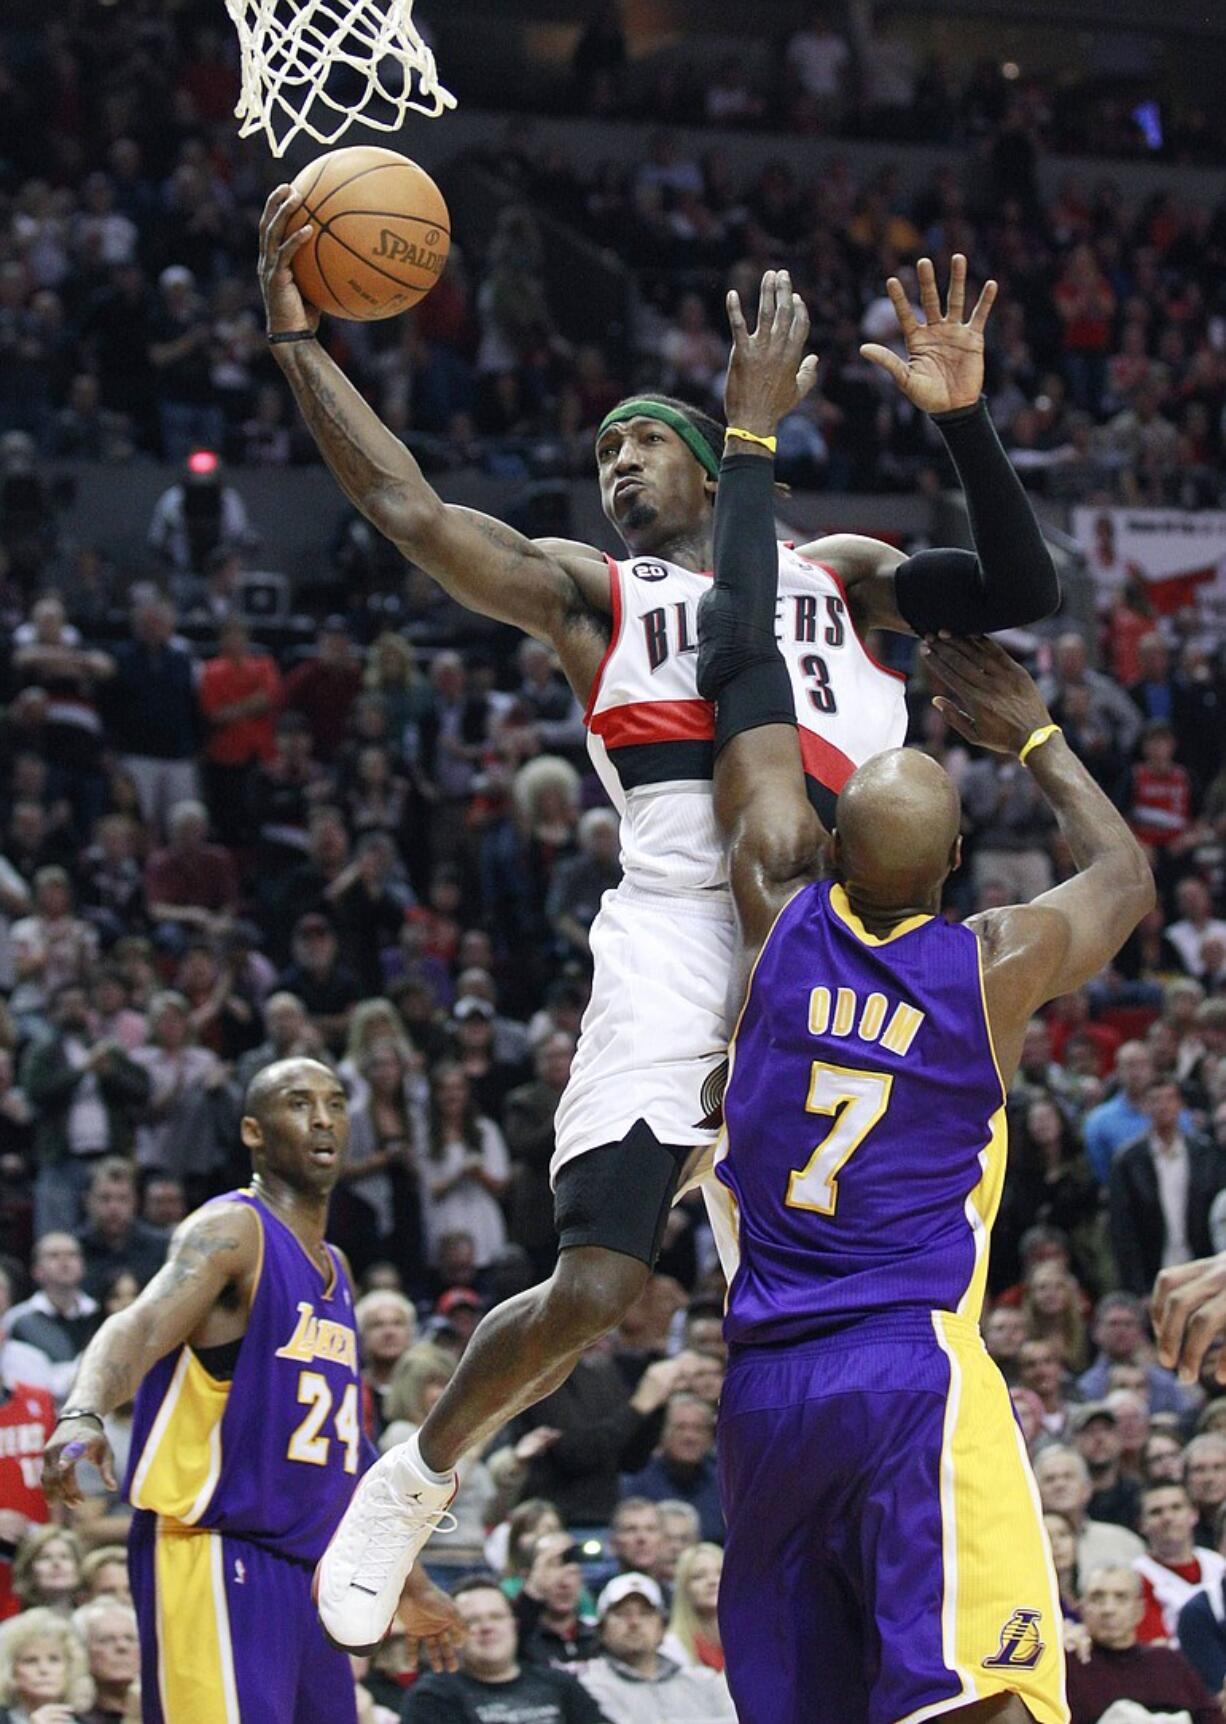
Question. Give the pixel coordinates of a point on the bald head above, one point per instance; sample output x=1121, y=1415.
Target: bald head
x=280, y=1076
x=896, y=829
x=296, y=1126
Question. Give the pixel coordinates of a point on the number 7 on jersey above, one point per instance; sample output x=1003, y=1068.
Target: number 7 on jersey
x=857, y=1100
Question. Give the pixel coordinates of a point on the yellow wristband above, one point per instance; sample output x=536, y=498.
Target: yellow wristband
x=771, y=443
x=1036, y=739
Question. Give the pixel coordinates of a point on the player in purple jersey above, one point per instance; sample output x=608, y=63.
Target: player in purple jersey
x=242, y=1357
x=886, y=1560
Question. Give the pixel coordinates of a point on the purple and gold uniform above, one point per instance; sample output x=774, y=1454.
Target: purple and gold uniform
x=238, y=1484
x=886, y=1560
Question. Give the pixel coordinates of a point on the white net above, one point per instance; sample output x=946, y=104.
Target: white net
x=316, y=66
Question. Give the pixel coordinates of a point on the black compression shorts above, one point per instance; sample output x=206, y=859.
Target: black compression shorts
x=619, y=1196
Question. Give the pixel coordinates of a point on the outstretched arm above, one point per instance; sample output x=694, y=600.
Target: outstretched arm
x=769, y=828
x=213, y=1249
x=1034, y=952
x=479, y=561
x=1009, y=579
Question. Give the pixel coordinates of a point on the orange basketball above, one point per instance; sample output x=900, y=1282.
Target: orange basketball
x=381, y=233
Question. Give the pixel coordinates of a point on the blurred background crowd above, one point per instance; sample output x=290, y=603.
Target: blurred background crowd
x=129, y=322
x=244, y=814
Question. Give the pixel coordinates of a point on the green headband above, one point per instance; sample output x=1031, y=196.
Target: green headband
x=689, y=434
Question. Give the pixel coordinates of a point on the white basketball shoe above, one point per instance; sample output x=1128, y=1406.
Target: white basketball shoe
x=361, y=1575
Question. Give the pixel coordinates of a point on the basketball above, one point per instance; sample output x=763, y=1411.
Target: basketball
x=382, y=233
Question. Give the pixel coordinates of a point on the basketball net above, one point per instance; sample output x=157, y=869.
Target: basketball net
x=291, y=47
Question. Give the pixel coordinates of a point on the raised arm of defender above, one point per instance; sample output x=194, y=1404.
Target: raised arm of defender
x=1009, y=578
x=1036, y=951
x=773, y=835
x=535, y=586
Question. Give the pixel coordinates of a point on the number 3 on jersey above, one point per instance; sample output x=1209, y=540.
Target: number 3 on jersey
x=857, y=1100
x=307, y=1443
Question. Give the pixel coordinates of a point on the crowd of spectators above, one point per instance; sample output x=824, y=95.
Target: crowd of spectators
x=130, y=321
x=1106, y=355
x=839, y=75
x=212, y=859
x=217, y=850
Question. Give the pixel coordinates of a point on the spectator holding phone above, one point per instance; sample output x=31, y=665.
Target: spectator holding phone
x=551, y=1630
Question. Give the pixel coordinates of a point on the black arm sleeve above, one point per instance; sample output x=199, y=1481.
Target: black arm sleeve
x=1012, y=580
x=740, y=666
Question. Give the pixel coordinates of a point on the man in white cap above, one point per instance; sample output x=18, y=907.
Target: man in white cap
x=633, y=1681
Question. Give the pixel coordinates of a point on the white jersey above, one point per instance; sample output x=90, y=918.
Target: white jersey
x=651, y=737
x=655, y=1034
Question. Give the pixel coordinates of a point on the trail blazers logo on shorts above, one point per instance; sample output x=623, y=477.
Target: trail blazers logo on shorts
x=711, y=1100
x=1020, y=1646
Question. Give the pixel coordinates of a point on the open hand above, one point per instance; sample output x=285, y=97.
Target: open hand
x=1077, y=1642
x=944, y=365
x=547, y=1560
x=535, y=1442
x=432, y=1624
x=1190, y=1314
x=768, y=375
x=284, y=306
x=995, y=703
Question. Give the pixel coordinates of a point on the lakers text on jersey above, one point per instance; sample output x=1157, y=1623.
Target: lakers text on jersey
x=238, y=1485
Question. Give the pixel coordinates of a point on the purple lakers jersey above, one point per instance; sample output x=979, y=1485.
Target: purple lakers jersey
x=273, y=1454
x=864, y=1147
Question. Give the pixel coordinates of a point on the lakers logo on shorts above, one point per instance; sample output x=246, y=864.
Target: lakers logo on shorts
x=1020, y=1646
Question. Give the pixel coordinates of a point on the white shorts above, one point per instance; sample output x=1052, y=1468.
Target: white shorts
x=655, y=1034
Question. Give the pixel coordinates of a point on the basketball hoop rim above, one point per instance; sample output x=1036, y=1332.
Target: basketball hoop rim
x=288, y=49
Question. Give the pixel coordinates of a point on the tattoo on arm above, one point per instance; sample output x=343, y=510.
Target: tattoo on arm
x=502, y=538
x=353, y=440
x=162, y=1317
x=483, y=563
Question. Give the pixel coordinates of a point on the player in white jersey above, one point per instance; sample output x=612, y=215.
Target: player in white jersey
x=645, y=1092
x=667, y=933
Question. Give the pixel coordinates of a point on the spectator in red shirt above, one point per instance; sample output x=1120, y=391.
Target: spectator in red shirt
x=1086, y=304
x=1174, y=1566
x=27, y=1419
x=1118, y=1669
x=1070, y=1016
x=1159, y=793
x=325, y=687
x=1128, y=624
x=239, y=694
x=190, y=882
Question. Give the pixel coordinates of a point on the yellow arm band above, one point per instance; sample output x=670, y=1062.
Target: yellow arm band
x=1036, y=739
x=771, y=443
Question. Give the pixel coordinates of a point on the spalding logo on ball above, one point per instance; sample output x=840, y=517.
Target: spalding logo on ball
x=380, y=236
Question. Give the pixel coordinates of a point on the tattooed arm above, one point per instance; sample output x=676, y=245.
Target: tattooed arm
x=215, y=1253
x=539, y=586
